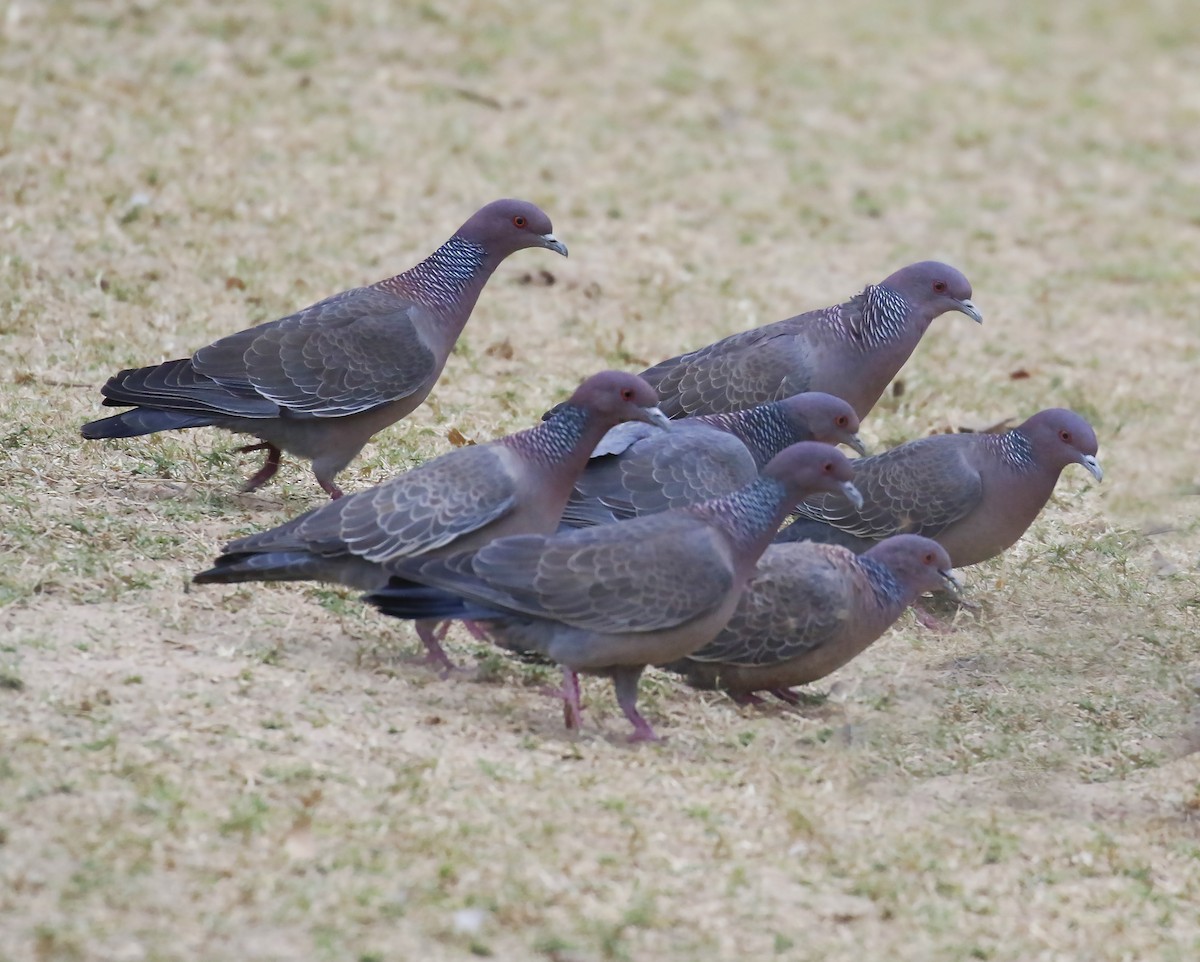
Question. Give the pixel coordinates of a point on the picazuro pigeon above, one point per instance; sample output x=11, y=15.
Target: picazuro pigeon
x=612, y=599
x=460, y=500
x=321, y=382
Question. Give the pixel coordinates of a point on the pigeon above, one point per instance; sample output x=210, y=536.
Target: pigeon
x=636, y=470
x=852, y=350
x=460, y=500
x=613, y=599
x=975, y=494
x=809, y=609
x=321, y=382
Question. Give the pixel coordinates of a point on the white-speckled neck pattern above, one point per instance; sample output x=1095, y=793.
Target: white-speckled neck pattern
x=555, y=439
x=440, y=281
x=1014, y=449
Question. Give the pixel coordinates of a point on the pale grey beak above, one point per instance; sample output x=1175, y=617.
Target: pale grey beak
x=656, y=417
x=951, y=584
x=857, y=443
x=853, y=495
x=970, y=310
x=552, y=243
x=1089, y=461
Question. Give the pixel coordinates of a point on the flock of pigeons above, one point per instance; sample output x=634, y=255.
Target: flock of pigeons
x=640, y=522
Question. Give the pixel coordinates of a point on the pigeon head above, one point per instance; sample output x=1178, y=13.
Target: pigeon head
x=1061, y=437
x=615, y=396
x=828, y=419
x=934, y=288
x=505, y=226
x=810, y=468
x=918, y=563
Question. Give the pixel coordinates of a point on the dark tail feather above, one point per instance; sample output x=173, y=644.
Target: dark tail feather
x=405, y=599
x=139, y=421
x=232, y=569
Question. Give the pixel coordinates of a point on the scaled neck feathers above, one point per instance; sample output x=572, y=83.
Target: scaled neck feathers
x=449, y=279
x=890, y=595
x=1014, y=449
x=876, y=317
x=765, y=430
x=565, y=433
x=749, y=514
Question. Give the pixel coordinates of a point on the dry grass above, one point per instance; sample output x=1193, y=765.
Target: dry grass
x=261, y=774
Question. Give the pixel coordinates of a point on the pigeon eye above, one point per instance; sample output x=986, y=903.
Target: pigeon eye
x=829, y=467
x=842, y=421
x=519, y=221
x=929, y=559
x=627, y=395
x=1065, y=436
x=939, y=286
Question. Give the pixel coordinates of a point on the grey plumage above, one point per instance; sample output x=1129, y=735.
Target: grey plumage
x=809, y=609
x=460, y=500
x=612, y=599
x=851, y=350
x=975, y=494
x=636, y=470
x=321, y=382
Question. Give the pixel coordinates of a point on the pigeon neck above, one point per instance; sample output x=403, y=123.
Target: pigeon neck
x=749, y=517
x=765, y=430
x=891, y=596
x=877, y=331
x=449, y=280
x=564, y=440
x=1014, y=450
x=879, y=317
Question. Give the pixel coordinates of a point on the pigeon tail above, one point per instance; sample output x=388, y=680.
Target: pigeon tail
x=139, y=421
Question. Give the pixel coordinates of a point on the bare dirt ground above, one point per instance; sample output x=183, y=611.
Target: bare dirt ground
x=263, y=773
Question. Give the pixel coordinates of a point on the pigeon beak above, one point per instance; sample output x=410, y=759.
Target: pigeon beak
x=1089, y=461
x=857, y=444
x=552, y=243
x=970, y=310
x=656, y=417
x=951, y=584
x=853, y=495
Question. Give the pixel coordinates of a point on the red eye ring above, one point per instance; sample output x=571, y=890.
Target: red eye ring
x=627, y=394
x=929, y=558
x=842, y=421
x=519, y=221
x=1065, y=436
x=939, y=286
x=828, y=469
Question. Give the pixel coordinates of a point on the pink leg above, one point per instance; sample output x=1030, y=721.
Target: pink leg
x=787, y=696
x=572, y=706
x=331, y=489
x=930, y=621
x=744, y=698
x=625, y=681
x=267, y=471
x=570, y=695
x=478, y=631
x=431, y=634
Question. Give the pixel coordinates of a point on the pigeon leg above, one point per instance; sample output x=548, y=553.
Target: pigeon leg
x=625, y=681
x=477, y=631
x=431, y=634
x=267, y=471
x=569, y=693
x=572, y=708
x=744, y=698
x=806, y=697
x=331, y=489
x=931, y=621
